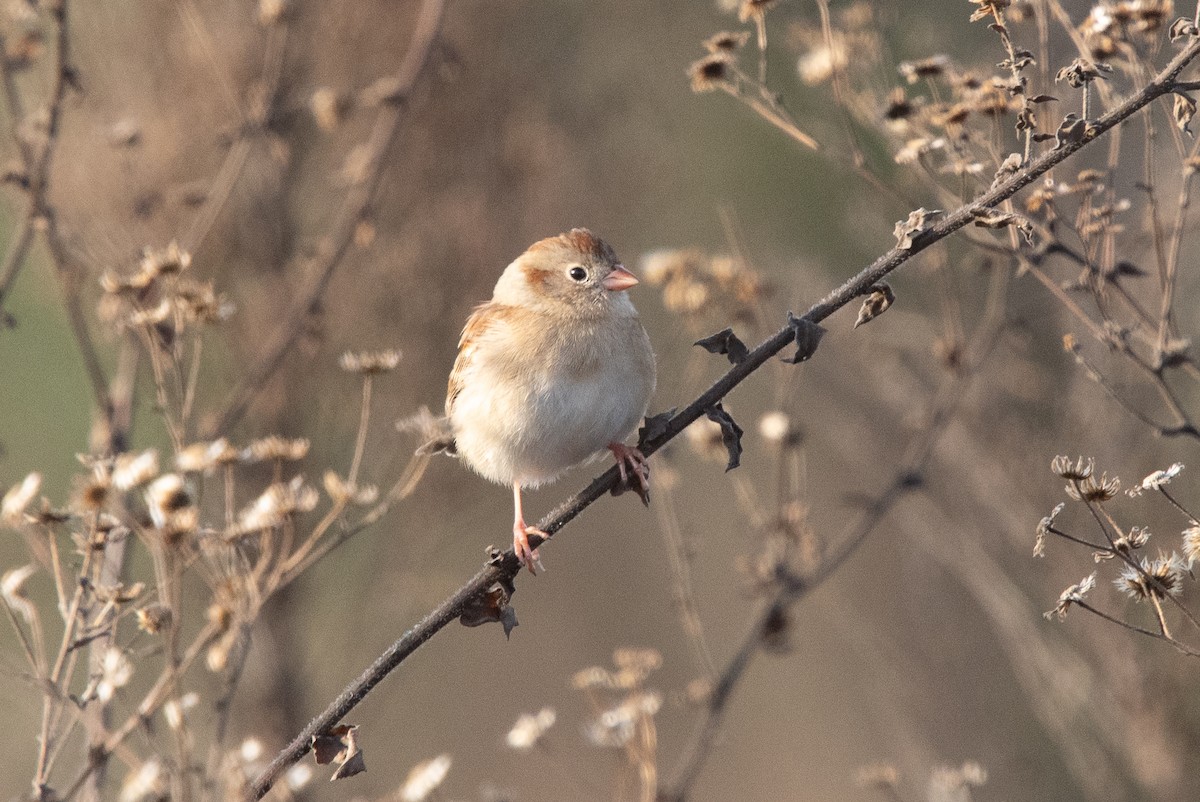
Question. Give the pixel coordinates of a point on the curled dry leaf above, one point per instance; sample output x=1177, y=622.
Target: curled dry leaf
x=876, y=303
x=1183, y=28
x=1008, y=168
x=339, y=744
x=807, y=336
x=917, y=223
x=654, y=427
x=1081, y=72
x=1071, y=131
x=329, y=744
x=491, y=607
x=1184, y=111
x=727, y=343
x=994, y=218
x=731, y=434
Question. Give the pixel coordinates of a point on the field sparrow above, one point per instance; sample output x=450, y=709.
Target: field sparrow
x=552, y=371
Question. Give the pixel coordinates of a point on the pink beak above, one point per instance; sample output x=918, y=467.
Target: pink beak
x=618, y=279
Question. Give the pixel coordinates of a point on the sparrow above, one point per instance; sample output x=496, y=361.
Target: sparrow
x=552, y=371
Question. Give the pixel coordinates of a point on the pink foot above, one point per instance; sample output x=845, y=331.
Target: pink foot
x=527, y=556
x=636, y=461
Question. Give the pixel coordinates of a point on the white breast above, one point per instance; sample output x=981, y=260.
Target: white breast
x=530, y=420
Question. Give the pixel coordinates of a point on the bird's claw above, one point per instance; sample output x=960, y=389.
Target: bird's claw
x=526, y=555
x=628, y=455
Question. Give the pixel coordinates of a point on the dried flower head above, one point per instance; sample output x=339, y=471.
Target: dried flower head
x=1071, y=595
x=343, y=491
x=1191, y=543
x=298, y=776
x=1157, y=480
x=1045, y=527
x=198, y=302
x=327, y=107
x=992, y=9
x=931, y=67
x=634, y=665
x=273, y=447
x=165, y=261
x=755, y=9
x=12, y=590
x=1137, y=538
x=820, y=63
x=166, y=497
x=1094, y=489
x=134, y=470
x=776, y=427
x=204, y=457
x=12, y=508
x=1079, y=470
x=878, y=776
x=115, y=672
x=714, y=71
x=144, y=783
x=949, y=782
x=153, y=618
x=529, y=729
x=1153, y=579
x=91, y=491
x=370, y=362
x=272, y=11
x=616, y=726
x=276, y=504
x=726, y=41
x=424, y=778
x=1081, y=72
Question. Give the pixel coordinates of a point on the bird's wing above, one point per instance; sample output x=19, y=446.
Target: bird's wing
x=485, y=317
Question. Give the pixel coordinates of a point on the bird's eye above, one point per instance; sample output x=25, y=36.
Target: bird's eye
x=577, y=273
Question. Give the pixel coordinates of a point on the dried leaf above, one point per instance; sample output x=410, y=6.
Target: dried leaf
x=328, y=745
x=994, y=218
x=1072, y=130
x=917, y=223
x=1008, y=168
x=1184, y=111
x=353, y=764
x=1184, y=27
x=654, y=427
x=1082, y=71
x=1043, y=99
x=725, y=342
x=807, y=336
x=731, y=434
x=491, y=607
x=350, y=759
x=876, y=303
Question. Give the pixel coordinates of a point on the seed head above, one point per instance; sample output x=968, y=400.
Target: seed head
x=714, y=71
x=1080, y=470
x=1071, y=595
x=370, y=362
x=1093, y=489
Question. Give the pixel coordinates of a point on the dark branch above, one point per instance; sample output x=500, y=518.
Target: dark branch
x=506, y=569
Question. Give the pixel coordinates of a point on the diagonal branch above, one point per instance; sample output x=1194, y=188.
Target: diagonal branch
x=504, y=570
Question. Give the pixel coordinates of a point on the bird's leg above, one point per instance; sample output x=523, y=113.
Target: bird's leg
x=637, y=461
x=521, y=532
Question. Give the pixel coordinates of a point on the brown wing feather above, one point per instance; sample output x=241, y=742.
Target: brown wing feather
x=483, y=318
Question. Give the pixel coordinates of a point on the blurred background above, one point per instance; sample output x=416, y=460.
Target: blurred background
x=926, y=650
